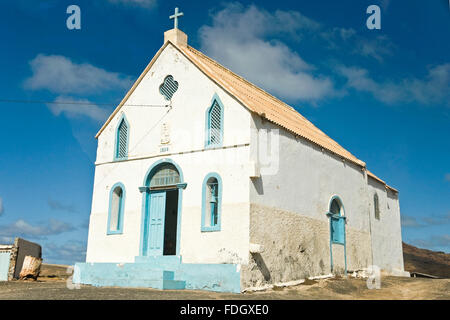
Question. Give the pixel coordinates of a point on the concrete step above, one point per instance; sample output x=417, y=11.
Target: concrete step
x=174, y=284
x=160, y=261
x=160, y=273
x=139, y=283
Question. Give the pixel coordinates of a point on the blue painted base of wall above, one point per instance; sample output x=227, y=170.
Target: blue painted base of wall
x=163, y=272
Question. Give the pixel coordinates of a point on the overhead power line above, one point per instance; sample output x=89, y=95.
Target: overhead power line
x=82, y=103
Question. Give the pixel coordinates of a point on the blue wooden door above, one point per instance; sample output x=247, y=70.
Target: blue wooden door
x=4, y=265
x=337, y=229
x=156, y=223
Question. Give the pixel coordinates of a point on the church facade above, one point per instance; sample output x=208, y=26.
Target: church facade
x=205, y=181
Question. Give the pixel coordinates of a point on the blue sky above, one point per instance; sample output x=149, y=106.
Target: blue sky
x=382, y=94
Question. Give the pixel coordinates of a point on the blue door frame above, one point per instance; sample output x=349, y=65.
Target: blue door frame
x=148, y=197
x=337, y=221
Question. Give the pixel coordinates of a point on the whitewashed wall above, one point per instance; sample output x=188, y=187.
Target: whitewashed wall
x=386, y=232
x=307, y=179
x=186, y=120
x=288, y=213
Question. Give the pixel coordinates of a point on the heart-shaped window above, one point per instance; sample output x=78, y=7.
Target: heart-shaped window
x=168, y=87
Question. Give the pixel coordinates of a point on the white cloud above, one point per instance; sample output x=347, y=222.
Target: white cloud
x=434, y=242
x=66, y=253
x=426, y=221
x=348, y=40
x=139, y=3
x=21, y=228
x=409, y=222
x=434, y=88
x=253, y=51
x=75, y=108
x=376, y=48
x=59, y=74
x=59, y=206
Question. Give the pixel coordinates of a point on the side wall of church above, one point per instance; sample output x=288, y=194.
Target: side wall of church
x=386, y=231
x=288, y=212
x=185, y=125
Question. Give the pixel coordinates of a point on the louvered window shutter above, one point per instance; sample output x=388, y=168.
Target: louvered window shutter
x=122, y=140
x=215, y=124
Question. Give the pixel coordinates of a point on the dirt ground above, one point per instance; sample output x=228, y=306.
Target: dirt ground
x=52, y=285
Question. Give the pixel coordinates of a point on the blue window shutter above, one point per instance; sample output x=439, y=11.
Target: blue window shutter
x=215, y=125
x=168, y=87
x=122, y=140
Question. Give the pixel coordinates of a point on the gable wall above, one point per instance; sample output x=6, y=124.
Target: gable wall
x=187, y=118
x=187, y=127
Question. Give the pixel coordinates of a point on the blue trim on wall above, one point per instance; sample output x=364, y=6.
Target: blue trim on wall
x=343, y=216
x=146, y=203
x=215, y=98
x=205, y=228
x=153, y=167
x=193, y=276
x=116, y=143
x=340, y=202
x=121, y=212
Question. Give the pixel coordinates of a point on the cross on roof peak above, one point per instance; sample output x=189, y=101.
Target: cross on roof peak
x=175, y=17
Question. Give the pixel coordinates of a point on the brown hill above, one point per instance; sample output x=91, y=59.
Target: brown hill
x=426, y=261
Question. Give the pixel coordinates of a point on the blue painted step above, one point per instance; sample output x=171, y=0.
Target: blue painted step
x=139, y=283
x=163, y=272
x=131, y=275
x=160, y=261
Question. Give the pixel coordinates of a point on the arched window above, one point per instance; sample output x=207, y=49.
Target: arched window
x=335, y=206
x=121, y=149
x=376, y=206
x=337, y=221
x=116, y=209
x=167, y=175
x=214, y=124
x=212, y=202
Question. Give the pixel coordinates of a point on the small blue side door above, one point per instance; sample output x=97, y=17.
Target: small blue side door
x=156, y=223
x=337, y=229
x=4, y=265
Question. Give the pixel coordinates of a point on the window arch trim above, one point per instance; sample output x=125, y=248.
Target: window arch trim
x=217, y=227
x=341, y=204
x=121, y=212
x=208, y=143
x=123, y=118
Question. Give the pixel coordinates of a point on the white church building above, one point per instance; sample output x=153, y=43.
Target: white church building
x=205, y=181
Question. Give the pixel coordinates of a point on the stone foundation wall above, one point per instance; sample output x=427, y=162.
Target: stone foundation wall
x=297, y=247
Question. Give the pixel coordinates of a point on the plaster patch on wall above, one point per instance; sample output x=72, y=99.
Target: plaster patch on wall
x=228, y=256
